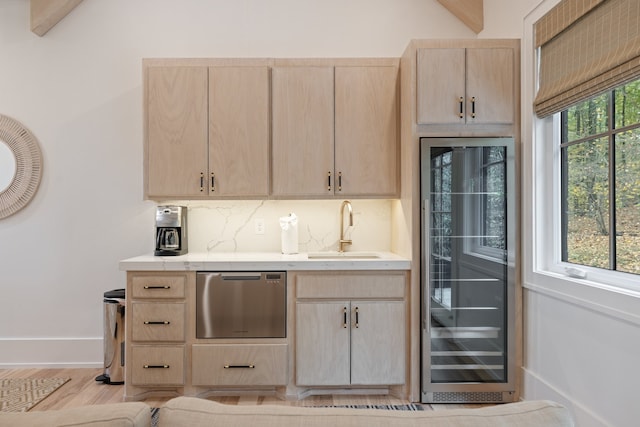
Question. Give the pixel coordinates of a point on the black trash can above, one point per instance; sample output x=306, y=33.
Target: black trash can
x=114, y=302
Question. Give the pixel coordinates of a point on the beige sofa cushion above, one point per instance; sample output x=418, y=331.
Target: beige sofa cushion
x=129, y=414
x=189, y=411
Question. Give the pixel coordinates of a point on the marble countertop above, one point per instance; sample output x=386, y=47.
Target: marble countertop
x=267, y=261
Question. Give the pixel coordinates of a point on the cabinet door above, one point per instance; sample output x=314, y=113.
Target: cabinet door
x=303, y=131
x=366, y=120
x=440, y=86
x=176, y=131
x=378, y=342
x=238, y=131
x=322, y=343
x=490, y=83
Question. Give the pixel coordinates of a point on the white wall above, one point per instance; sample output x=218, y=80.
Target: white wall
x=78, y=89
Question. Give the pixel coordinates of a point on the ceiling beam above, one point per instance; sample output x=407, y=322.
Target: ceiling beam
x=45, y=14
x=471, y=12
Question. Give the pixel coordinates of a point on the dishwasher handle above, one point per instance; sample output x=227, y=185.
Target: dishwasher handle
x=241, y=276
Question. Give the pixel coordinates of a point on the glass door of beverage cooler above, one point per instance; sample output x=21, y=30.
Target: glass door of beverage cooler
x=468, y=262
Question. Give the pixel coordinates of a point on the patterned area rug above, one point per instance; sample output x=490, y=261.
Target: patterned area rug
x=21, y=394
x=407, y=407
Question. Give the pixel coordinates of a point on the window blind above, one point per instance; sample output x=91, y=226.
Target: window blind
x=586, y=47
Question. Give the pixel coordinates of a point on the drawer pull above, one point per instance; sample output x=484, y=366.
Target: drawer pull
x=344, y=317
x=357, y=318
x=161, y=322
x=156, y=366
x=158, y=287
x=239, y=366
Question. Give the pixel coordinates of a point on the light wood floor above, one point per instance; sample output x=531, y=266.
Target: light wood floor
x=84, y=390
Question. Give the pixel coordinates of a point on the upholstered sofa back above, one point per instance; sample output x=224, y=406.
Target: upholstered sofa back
x=193, y=412
x=129, y=414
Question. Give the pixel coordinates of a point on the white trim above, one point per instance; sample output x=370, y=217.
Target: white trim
x=51, y=353
x=73, y=365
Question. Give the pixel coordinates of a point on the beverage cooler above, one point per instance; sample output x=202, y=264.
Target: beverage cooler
x=468, y=194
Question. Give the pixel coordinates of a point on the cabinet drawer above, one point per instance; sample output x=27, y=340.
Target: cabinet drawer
x=158, y=286
x=156, y=365
x=348, y=286
x=239, y=364
x=157, y=321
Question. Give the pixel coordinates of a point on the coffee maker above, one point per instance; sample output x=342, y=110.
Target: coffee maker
x=171, y=230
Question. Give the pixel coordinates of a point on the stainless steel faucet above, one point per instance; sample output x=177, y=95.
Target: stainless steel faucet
x=342, y=240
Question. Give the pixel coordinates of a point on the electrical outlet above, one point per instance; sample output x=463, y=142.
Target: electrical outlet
x=259, y=226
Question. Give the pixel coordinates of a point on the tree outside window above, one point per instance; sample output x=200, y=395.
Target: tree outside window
x=600, y=152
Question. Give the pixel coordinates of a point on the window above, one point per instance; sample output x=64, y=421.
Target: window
x=600, y=181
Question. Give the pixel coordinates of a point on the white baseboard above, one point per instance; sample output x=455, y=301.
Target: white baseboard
x=536, y=388
x=51, y=353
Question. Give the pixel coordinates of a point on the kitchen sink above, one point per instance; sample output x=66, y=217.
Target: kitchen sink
x=342, y=255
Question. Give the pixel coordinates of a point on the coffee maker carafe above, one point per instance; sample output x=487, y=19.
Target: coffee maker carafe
x=171, y=230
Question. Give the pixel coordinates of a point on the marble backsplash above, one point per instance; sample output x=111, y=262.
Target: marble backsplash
x=230, y=225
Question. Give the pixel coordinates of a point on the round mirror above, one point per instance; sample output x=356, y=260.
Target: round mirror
x=20, y=166
x=7, y=166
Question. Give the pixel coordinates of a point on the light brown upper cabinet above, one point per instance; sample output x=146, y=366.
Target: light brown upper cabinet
x=335, y=131
x=366, y=121
x=465, y=86
x=207, y=132
x=176, y=148
x=238, y=131
x=303, y=131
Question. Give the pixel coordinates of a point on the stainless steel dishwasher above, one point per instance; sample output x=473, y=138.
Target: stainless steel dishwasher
x=241, y=304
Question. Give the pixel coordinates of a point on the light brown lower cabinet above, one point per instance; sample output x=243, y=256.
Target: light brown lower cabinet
x=156, y=338
x=347, y=330
x=239, y=364
x=157, y=365
x=158, y=321
x=344, y=343
x=359, y=341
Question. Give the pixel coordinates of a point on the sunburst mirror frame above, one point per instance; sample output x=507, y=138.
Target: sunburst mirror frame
x=28, y=156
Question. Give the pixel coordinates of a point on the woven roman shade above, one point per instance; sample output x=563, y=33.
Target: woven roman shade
x=586, y=47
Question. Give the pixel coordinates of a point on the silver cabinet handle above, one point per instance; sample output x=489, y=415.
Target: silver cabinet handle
x=239, y=366
x=344, y=317
x=157, y=287
x=161, y=322
x=357, y=317
x=156, y=366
